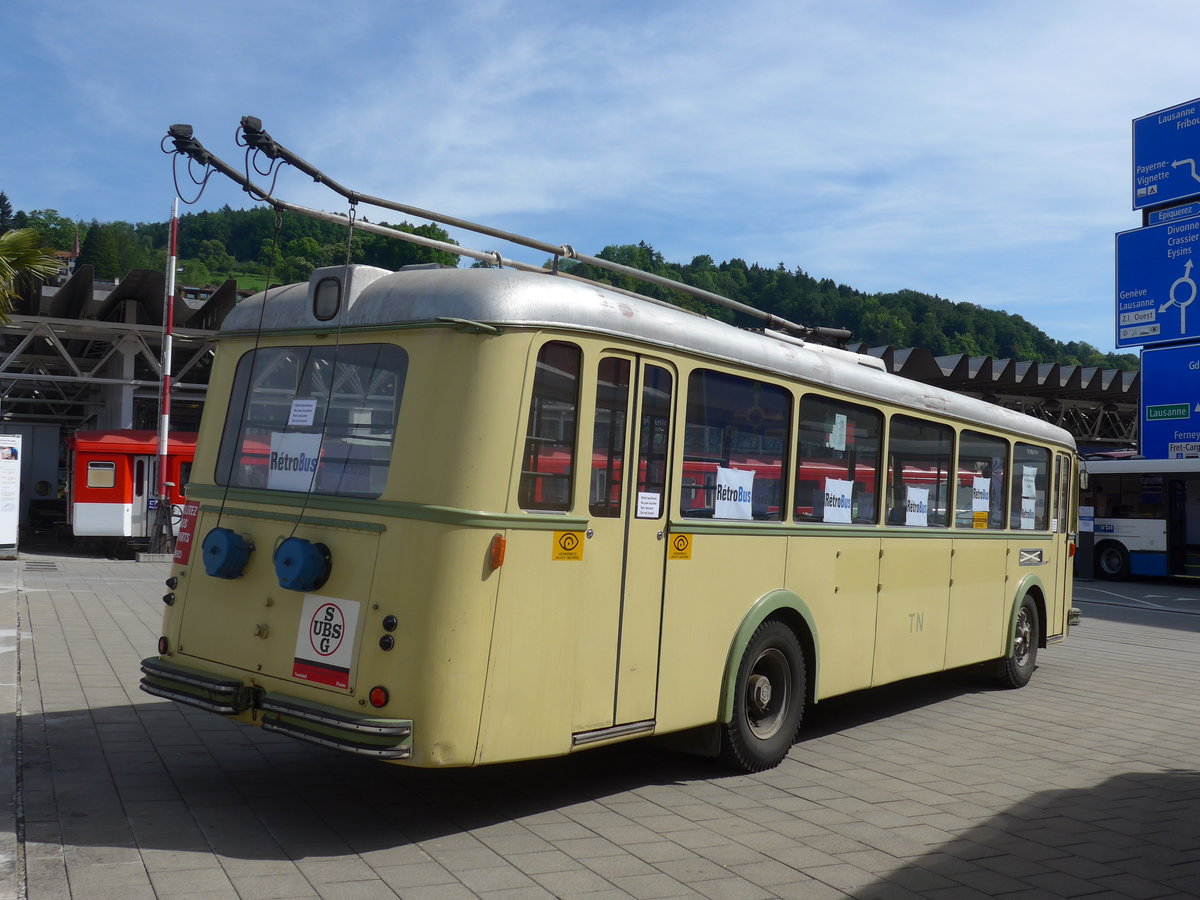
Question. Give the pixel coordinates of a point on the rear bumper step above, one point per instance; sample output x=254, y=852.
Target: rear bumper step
x=325, y=725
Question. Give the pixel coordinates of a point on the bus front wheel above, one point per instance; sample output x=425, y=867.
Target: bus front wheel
x=768, y=700
x=1112, y=561
x=1017, y=669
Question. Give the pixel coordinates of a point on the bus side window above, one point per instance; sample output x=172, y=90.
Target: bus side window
x=1030, y=488
x=548, y=463
x=919, y=458
x=101, y=474
x=608, y=437
x=736, y=440
x=982, y=477
x=837, y=462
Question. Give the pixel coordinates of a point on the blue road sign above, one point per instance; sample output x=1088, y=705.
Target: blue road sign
x=1166, y=155
x=1173, y=213
x=1170, y=427
x=1156, y=284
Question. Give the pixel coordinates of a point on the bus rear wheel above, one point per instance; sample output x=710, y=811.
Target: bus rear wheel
x=768, y=702
x=1017, y=669
x=1112, y=561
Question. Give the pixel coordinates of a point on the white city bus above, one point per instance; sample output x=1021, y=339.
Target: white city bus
x=1147, y=516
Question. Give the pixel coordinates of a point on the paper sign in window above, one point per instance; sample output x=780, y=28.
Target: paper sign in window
x=837, y=434
x=648, y=505
x=838, y=496
x=734, y=494
x=916, y=506
x=293, y=461
x=304, y=410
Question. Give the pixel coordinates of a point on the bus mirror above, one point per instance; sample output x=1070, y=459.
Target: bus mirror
x=1083, y=479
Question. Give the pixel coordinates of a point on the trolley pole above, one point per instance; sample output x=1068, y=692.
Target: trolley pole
x=162, y=537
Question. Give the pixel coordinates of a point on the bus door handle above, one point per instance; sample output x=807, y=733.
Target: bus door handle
x=660, y=534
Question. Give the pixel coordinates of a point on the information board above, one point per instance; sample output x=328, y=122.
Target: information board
x=1156, y=284
x=1166, y=155
x=10, y=493
x=1170, y=416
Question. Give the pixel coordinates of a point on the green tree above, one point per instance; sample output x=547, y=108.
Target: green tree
x=22, y=256
x=6, y=213
x=57, y=231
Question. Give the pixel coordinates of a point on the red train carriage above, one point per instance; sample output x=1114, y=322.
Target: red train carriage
x=113, y=483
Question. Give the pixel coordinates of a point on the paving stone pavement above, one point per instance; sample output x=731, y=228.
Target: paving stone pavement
x=1083, y=784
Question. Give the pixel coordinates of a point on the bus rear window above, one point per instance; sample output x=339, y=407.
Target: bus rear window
x=313, y=419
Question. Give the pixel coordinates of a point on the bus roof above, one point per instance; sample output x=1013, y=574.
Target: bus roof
x=506, y=298
x=129, y=440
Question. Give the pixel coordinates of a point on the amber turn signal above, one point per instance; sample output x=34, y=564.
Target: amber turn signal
x=496, y=554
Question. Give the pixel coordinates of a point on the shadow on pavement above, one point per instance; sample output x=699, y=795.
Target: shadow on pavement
x=161, y=776
x=1131, y=836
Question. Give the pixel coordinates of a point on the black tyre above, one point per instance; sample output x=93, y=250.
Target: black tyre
x=1112, y=561
x=1017, y=669
x=768, y=702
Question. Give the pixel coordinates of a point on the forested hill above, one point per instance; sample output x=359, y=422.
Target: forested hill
x=903, y=318
x=247, y=245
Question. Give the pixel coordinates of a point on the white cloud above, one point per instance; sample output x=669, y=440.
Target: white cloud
x=976, y=151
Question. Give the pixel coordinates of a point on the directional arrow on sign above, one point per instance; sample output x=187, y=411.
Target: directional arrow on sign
x=1186, y=162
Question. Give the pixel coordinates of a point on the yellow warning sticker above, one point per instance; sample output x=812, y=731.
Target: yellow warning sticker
x=568, y=545
x=680, y=547
x=979, y=519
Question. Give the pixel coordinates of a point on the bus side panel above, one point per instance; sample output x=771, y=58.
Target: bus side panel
x=838, y=579
x=979, y=602
x=553, y=660
x=707, y=597
x=435, y=673
x=914, y=604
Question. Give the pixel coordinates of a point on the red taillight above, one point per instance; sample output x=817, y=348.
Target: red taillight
x=496, y=555
x=1071, y=550
x=378, y=697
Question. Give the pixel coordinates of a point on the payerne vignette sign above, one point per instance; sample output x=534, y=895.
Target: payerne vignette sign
x=1166, y=155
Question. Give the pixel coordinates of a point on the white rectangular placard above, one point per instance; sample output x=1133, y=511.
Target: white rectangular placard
x=916, y=506
x=735, y=493
x=293, y=461
x=981, y=494
x=10, y=488
x=838, y=494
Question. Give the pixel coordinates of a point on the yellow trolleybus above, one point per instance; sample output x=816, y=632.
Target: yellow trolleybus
x=448, y=517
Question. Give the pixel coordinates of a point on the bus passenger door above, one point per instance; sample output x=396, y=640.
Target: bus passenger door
x=1176, y=527
x=645, y=547
x=626, y=549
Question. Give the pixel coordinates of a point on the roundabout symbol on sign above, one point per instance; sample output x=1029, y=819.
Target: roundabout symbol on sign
x=1190, y=286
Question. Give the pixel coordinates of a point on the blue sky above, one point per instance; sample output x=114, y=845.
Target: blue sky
x=978, y=151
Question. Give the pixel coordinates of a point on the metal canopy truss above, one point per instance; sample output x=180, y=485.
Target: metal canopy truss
x=1098, y=406
x=62, y=371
